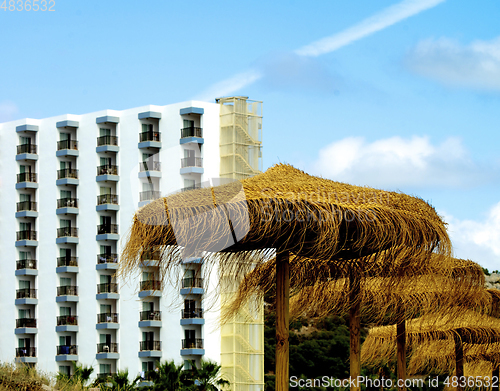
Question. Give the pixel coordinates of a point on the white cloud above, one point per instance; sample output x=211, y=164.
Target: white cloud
x=7, y=111
x=387, y=17
x=397, y=163
x=476, y=65
x=478, y=241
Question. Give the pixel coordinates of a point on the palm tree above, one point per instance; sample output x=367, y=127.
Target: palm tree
x=81, y=375
x=166, y=376
x=207, y=378
x=120, y=381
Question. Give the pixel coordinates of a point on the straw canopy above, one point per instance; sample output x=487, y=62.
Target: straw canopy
x=470, y=328
x=390, y=290
x=287, y=210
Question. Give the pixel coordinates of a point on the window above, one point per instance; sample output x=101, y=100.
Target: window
x=65, y=281
x=147, y=127
x=65, y=370
x=65, y=194
x=65, y=311
x=105, y=368
x=104, y=132
x=188, y=123
x=24, y=314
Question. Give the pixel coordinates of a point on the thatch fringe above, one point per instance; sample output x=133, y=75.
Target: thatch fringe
x=283, y=209
x=470, y=328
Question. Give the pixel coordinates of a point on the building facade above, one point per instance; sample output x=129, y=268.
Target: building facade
x=69, y=187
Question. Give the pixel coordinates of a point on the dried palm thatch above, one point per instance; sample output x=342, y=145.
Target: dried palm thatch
x=440, y=356
x=389, y=291
x=287, y=210
x=283, y=210
x=469, y=328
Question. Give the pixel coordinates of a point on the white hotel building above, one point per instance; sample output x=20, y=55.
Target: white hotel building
x=69, y=187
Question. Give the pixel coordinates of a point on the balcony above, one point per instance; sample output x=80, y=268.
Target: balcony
x=104, y=376
x=192, y=286
x=107, y=202
x=26, y=209
x=67, y=148
x=67, y=261
x=107, y=140
x=26, y=148
x=107, y=258
x=67, y=235
x=192, y=314
x=67, y=293
x=150, y=315
x=67, y=350
x=25, y=322
x=26, y=264
x=188, y=188
x=107, y=290
x=26, y=267
x=26, y=235
x=107, y=229
x=149, y=136
x=107, y=321
x=191, y=132
x=26, y=296
x=196, y=343
x=107, y=173
x=67, y=323
x=110, y=317
x=149, y=345
x=26, y=180
x=192, y=165
x=67, y=320
x=25, y=352
x=67, y=203
x=149, y=195
x=150, y=288
x=67, y=176
x=67, y=144
x=150, y=166
x=107, y=351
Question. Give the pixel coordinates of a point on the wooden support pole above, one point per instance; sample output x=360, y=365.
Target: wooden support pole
x=459, y=359
x=355, y=331
x=401, y=346
x=282, y=320
x=495, y=377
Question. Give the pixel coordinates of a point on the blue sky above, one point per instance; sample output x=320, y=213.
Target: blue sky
x=400, y=95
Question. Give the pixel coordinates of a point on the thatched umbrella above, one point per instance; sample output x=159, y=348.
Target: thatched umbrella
x=403, y=292
x=469, y=328
x=283, y=210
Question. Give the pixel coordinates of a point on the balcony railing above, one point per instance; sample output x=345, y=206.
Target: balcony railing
x=192, y=282
x=187, y=188
x=26, y=205
x=149, y=345
x=149, y=136
x=67, y=231
x=108, y=287
x=67, y=290
x=26, y=293
x=150, y=315
x=26, y=235
x=196, y=343
x=26, y=264
x=111, y=317
x=67, y=203
x=191, y=162
x=107, y=170
x=26, y=148
x=149, y=195
x=150, y=166
x=107, y=258
x=26, y=177
x=107, y=229
x=67, y=349
x=191, y=132
x=25, y=352
x=192, y=314
x=107, y=140
x=107, y=347
x=67, y=320
x=150, y=285
x=67, y=144
x=67, y=173
x=67, y=261
x=104, y=376
x=107, y=199
x=26, y=322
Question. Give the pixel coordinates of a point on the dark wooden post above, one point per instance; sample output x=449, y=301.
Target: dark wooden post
x=355, y=330
x=282, y=320
x=401, y=346
x=459, y=359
